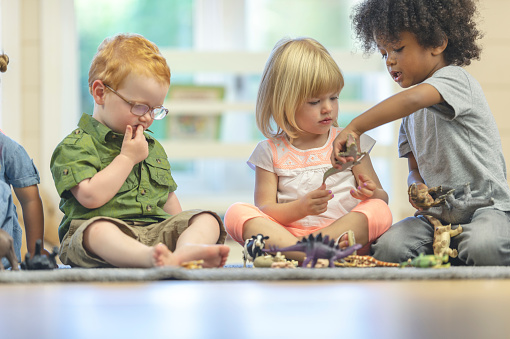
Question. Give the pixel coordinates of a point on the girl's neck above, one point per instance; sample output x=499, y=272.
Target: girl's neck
x=309, y=141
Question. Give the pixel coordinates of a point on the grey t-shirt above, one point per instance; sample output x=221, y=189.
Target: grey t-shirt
x=457, y=142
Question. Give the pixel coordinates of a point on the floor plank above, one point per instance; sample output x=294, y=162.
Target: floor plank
x=248, y=309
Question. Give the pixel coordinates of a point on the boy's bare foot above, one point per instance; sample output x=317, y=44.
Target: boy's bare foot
x=212, y=255
x=162, y=256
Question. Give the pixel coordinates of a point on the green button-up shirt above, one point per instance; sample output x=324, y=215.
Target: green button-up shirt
x=89, y=149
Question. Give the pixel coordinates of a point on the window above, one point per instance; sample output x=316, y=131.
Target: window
x=224, y=44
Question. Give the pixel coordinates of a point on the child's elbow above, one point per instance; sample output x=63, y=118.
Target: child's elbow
x=90, y=203
x=89, y=200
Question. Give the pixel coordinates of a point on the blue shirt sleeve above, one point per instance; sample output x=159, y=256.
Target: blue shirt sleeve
x=17, y=167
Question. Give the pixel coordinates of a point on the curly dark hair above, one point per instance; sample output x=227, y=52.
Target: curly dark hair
x=431, y=21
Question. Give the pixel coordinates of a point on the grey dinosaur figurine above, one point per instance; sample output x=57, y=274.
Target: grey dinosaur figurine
x=317, y=247
x=7, y=250
x=40, y=261
x=457, y=211
x=351, y=151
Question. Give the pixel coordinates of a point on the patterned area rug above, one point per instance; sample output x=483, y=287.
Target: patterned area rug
x=264, y=274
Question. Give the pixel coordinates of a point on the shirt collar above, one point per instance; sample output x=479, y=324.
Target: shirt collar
x=102, y=133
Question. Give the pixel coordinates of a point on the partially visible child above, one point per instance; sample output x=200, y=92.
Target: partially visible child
x=448, y=133
x=299, y=93
x=18, y=170
x=118, y=194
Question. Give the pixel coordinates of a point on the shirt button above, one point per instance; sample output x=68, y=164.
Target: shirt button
x=77, y=131
x=143, y=191
x=158, y=161
x=66, y=171
x=149, y=208
x=114, y=136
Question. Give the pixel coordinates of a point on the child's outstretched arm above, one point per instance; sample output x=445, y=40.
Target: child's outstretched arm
x=395, y=107
x=33, y=216
x=102, y=187
x=266, y=186
x=369, y=186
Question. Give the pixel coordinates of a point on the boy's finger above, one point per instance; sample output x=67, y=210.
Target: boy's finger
x=138, y=131
x=129, y=133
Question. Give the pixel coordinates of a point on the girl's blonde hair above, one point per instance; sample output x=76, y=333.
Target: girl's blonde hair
x=124, y=53
x=297, y=70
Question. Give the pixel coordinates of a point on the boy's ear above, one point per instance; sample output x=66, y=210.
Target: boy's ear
x=440, y=49
x=98, y=90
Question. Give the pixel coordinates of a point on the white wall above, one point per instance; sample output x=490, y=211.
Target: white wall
x=492, y=71
x=40, y=88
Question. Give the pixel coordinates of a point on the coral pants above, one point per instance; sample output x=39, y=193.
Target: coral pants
x=377, y=212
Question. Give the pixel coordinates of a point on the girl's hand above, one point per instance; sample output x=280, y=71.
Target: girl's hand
x=136, y=147
x=365, y=189
x=316, y=202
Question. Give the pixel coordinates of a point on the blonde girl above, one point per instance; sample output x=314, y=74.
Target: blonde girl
x=297, y=110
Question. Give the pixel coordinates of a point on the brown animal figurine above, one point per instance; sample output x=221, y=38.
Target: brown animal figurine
x=7, y=250
x=426, y=198
x=442, y=238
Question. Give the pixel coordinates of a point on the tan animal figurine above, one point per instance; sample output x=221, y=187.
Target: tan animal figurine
x=426, y=198
x=442, y=238
x=7, y=250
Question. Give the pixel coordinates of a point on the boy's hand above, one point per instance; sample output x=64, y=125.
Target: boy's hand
x=316, y=202
x=136, y=147
x=365, y=188
x=422, y=195
x=339, y=146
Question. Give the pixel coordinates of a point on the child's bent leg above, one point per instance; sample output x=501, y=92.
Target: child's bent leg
x=203, y=228
x=242, y=221
x=278, y=235
x=105, y=240
x=199, y=241
x=368, y=220
x=485, y=241
x=404, y=240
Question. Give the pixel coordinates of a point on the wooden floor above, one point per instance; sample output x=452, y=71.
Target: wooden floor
x=250, y=309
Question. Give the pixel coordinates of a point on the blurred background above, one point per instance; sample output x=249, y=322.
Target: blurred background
x=216, y=50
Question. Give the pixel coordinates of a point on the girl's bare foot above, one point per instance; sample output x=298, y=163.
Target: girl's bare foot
x=212, y=255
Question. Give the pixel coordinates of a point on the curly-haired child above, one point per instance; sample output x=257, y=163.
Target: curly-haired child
x=448, y=133
x=297, y=110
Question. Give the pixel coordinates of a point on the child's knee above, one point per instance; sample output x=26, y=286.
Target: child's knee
x=236, y=216
x=485, y=251
x=379, y=217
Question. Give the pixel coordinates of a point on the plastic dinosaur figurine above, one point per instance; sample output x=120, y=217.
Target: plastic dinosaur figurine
x=426, y=198
x=40, y=261
x=7, y=250
x=317, y=247
x=364, y=261
x=442, y=237
x=458, y=211
x=427, y=261
x=351, y=151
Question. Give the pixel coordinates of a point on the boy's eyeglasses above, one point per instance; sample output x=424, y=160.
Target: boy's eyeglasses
x=157, y=113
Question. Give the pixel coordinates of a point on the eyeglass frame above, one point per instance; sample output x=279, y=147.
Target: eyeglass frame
x=133, y=104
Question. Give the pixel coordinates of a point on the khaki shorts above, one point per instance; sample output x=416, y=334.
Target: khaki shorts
x=167, y=232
